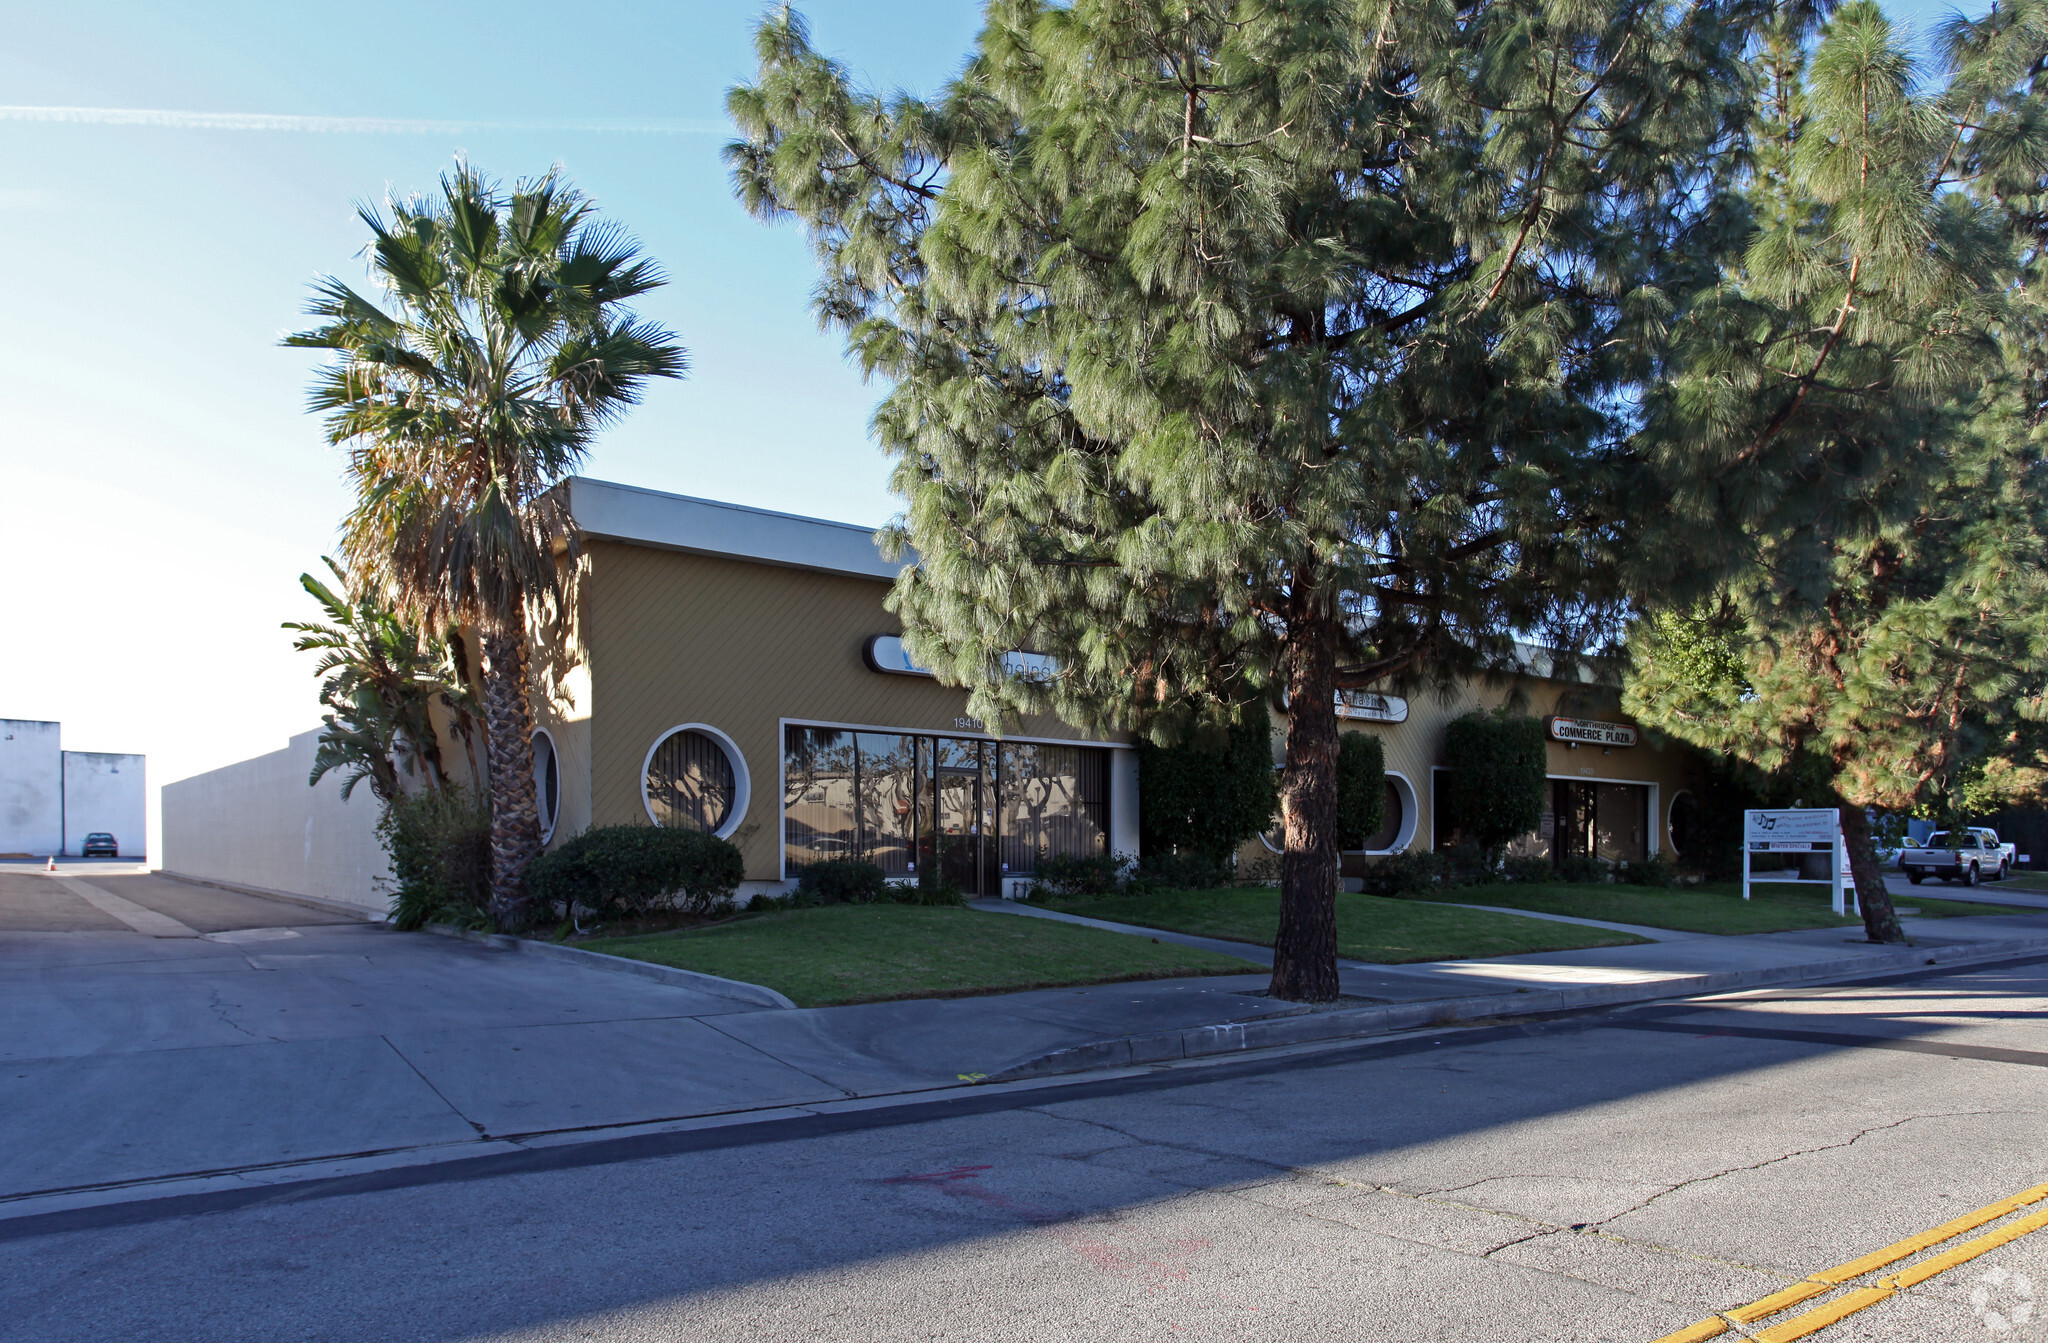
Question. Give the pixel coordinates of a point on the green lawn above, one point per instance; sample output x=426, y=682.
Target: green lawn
x=874, y=953
x=1716, y=907
x=1369, y=928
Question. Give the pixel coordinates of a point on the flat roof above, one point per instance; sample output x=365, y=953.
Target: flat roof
x=605, y=511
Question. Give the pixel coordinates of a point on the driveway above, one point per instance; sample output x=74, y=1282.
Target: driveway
x=160, y=1029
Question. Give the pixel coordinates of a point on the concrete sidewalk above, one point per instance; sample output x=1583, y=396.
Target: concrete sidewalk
x=262, y=1038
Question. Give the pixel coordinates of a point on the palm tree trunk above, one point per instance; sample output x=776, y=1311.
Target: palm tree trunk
x=508, y=752
x=1305, y=947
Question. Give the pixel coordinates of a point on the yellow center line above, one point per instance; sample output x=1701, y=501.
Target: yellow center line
x=1827, y=1280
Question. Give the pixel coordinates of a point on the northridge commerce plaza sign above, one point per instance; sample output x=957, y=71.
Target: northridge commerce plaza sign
x=1589, y=732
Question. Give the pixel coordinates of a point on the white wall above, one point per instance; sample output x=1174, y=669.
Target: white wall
x=31, y=787
x=103, y=791
x=256, y=823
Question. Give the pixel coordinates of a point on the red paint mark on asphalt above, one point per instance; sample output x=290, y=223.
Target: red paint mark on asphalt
x=1154, y=1272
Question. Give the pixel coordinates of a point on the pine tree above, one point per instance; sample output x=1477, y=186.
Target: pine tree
x=1291, y=344
x=1880, y=616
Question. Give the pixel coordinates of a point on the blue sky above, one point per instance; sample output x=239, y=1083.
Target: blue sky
x=163, y=488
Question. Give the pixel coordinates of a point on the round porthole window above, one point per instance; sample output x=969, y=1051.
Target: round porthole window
x=695, y=779
x=547, y=782
x=1685, y=824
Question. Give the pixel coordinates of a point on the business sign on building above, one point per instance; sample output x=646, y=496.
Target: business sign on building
x=1589, y=731
x=886, y=653
x=1370, y=706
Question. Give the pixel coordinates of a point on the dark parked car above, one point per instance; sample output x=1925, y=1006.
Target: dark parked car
x=99, y=843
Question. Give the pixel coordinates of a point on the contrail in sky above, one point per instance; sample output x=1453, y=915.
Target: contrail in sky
x=255, y=121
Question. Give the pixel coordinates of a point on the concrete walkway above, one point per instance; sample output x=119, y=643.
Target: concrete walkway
x=230, y=1034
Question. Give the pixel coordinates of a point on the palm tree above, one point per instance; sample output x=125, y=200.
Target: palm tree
x=501, y=348
x=385, y=679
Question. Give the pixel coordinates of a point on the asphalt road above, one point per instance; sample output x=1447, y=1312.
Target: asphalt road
x=1616, y=1177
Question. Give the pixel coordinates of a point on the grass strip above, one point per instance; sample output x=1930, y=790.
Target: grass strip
x=1369, y=928
x=878, y=953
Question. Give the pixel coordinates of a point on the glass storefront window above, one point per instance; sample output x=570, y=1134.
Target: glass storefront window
x=980, y=809
x=819, y=815
x=888, y=801
x=1052, y=799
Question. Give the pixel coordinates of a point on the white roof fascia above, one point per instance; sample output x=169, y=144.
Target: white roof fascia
x=604, y=511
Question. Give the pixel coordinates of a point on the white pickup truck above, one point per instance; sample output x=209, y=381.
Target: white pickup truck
x=1969, y=856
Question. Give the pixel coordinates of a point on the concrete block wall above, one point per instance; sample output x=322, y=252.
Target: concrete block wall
x=103, y=791
x=255, y=823
x=31, y=787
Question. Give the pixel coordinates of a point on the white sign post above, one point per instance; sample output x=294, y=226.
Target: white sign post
x=1809, y=830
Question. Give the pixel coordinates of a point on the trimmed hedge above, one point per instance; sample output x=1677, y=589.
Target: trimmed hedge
x=1361, y=788
x=624, y=870
x=1498, y=774
x=840, y=881
x=1208, y=796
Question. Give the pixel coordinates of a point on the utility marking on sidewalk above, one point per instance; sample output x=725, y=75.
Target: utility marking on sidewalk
x=1827, y=1280
x=127, y=911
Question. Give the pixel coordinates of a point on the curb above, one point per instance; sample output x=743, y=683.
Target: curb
x=313, y=902
x=1236, y=1037
x=758, y=994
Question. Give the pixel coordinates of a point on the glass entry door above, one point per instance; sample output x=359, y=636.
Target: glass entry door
x=965, y=814
x=1607, y=820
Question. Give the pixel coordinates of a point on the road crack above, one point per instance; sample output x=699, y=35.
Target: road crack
x=1849, y=1141
x=220, y=1009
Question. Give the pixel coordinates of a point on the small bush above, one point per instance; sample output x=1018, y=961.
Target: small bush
x=1404, y=874
x=1528, y=869
x=933, y=887
x=1177, y=872
x=1582, y=867
x=625, y=870
x=841, y=881
x=1467, y=864
x=1062, y=874
x=1261, y=869
x=440, y=849
x=1649, y=872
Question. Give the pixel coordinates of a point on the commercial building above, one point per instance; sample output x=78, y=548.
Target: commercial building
x=1614, y=791
x=51, y=798
x=736, y=671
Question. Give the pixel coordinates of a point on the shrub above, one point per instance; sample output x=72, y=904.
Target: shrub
x=934, y=886
x=1261, y=869
x=1361, y=788
x=1498, y=766
x=440, y=849
x=1177, y=872
x=841, y=881
x=1528, y=869
x=1467, y=864
x=1063, y=874
x=1208, y=796
x=1649, y=872
x=1582, y=867
x=1401, y=874
x=624, y=870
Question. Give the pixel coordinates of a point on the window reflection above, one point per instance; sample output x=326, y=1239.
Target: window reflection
x=981, y=810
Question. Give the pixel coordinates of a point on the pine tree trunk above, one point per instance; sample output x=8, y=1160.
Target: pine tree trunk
x=1305, y=949
x=508, y=754
x=1880, y=920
